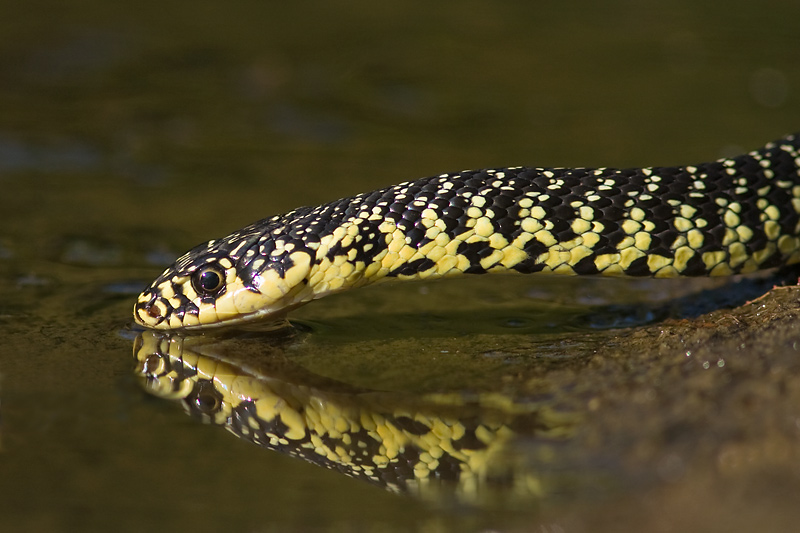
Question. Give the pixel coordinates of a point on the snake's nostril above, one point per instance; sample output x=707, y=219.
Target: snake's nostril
x=153, y=310
x=147, y=303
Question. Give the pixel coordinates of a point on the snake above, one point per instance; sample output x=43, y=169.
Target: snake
x=730, y=216
x=427, y=445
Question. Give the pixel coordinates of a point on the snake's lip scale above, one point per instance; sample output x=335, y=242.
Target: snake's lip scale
x=730, y=216
x=148, y=312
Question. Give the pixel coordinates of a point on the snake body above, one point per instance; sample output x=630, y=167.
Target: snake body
x=730, y=216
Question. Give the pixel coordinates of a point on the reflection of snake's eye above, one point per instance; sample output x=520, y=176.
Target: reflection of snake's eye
x=208, y=280
x=207, y=403
x=204, y=399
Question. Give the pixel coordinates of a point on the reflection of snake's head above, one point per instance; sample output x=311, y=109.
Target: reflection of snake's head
x=255, y=273
x=210, y=389
x=172, y=371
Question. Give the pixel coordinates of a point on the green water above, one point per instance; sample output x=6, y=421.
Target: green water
x=131, y=131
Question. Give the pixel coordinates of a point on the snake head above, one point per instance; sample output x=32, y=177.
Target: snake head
x=249, y=275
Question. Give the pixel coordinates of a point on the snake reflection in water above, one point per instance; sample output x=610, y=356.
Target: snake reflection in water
x=448, y=445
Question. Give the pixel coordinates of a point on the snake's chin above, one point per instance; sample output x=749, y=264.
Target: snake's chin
x=261, y=321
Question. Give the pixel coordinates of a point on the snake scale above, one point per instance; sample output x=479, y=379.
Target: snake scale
x=730, y=216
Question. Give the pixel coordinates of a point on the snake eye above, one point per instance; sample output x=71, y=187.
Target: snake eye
x=208, y=280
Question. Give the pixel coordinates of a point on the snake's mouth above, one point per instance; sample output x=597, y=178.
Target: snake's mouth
x=156, y=312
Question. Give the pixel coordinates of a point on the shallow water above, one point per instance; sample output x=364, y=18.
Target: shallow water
x=132, y=131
